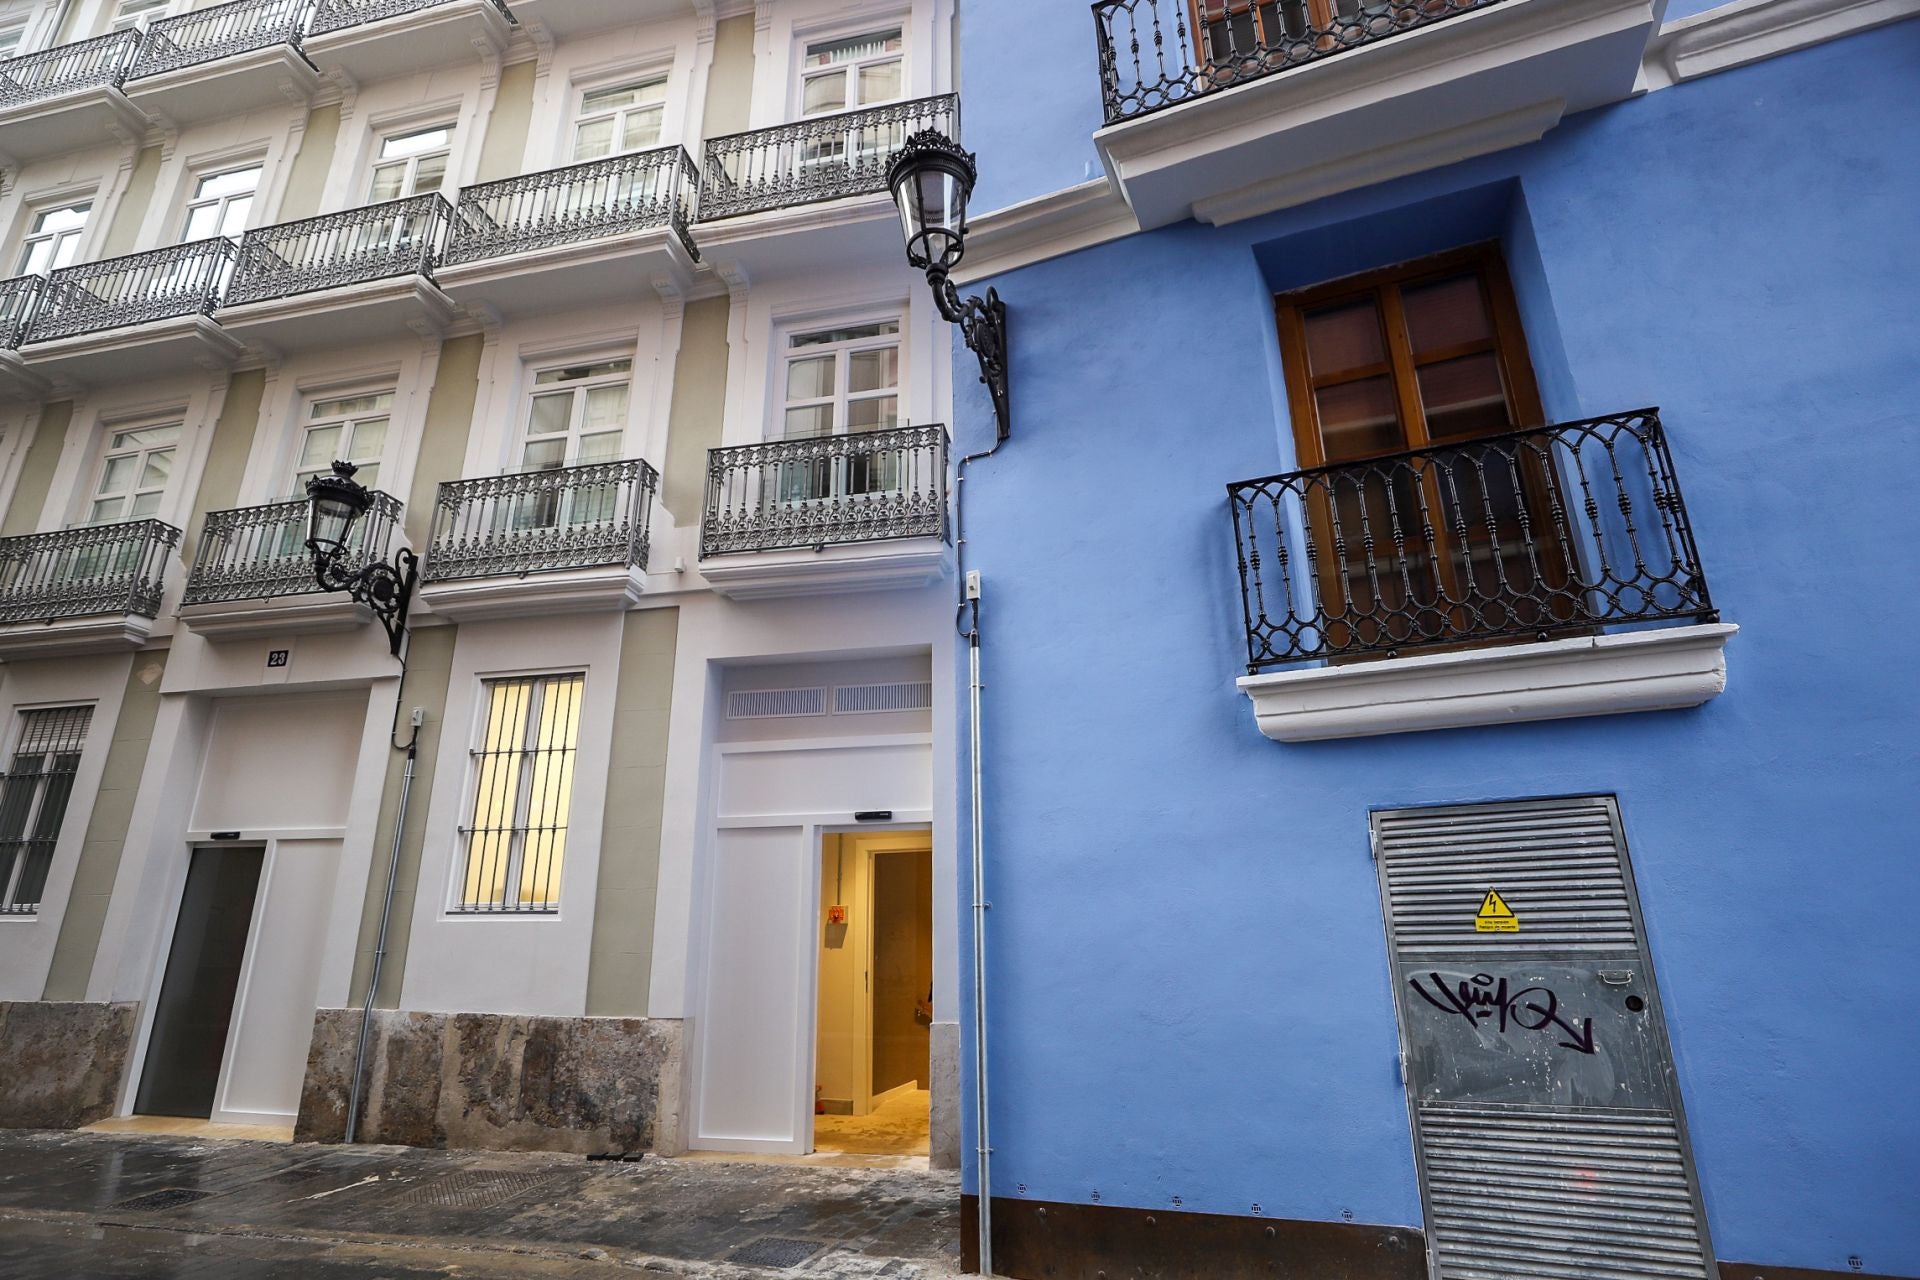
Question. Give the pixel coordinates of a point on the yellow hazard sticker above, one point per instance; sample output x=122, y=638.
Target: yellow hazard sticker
x=1496, y=916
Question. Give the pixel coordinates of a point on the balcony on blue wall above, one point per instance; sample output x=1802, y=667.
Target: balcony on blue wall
x=1513, y=577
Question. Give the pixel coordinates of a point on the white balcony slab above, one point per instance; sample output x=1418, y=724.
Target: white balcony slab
x=1464, y=86
x=64, y=637
x=375, y=311
x=134, y=351
x=569, y=18
x=854, y=233
x=1659, y=670
x=611, y=269
x=228, y=86
x=310, y=613
x=802, y=571
x=602, y=588
x=436, y=36
x=71, y=121
x=19, y=383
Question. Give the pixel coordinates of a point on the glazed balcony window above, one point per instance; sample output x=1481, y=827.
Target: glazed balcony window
x=1156, y=53
x=1433, y=509
x=53, y=241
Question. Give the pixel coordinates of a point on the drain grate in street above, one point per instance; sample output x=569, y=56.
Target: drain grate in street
x=775, y=1251
x=473, y=1189
x=167, y=1198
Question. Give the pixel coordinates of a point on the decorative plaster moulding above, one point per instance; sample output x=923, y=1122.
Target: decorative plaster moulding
x=536, y=595
x=305, y=614
x=875, y=566
x=1659, y=670
x=1402, y=104
x=1749, y=31
x=105, y=633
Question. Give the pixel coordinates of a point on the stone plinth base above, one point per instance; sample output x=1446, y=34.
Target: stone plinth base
x=498, y=1082
x=61, y=1064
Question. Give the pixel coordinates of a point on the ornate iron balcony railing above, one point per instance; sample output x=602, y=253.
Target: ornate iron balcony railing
x=1156, y=53
x=160, y=284
x=820, y=158
x=333, y=15
x=375, y=242
x=84, y=571
x=865, y=486
x=100, y=62
x=534, y=521
x=189, y=39
x=259, y=553
x=18, y=297
x=581, y=202
x=1555, y=530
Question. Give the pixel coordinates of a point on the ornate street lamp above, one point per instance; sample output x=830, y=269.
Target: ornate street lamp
x=335, y=504
x=931, y=178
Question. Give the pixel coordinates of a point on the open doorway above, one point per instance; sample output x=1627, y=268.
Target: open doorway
x=872, y=1067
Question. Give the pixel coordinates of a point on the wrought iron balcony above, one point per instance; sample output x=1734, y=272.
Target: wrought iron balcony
x=1156, y=53
x=535, y=521
x=1557, y=530
x=85, y=571
x=260, y=553
x=375, y=242
x=189, y=39
x=101, y=62
x=865, y=486
x=335, y=15
x=18, y=297
x=581, y=202
x=820, y=158
x=160, y=284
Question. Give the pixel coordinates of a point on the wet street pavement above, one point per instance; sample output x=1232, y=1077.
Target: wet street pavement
x=90, y=1205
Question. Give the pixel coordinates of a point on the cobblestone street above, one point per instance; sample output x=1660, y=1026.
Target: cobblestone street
x=111, y=1206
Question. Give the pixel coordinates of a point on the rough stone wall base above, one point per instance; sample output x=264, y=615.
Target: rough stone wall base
x=495, y=1082
x=62, y=1063
x=943, y=1145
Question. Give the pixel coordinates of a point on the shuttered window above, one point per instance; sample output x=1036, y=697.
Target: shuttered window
x=522, y=770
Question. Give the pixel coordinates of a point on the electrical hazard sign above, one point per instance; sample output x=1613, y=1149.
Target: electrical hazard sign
x=1496, y=916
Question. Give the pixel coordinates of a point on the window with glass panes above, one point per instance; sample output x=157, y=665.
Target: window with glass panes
x=133, y=473
x=136, y=13
x=515, y=834
x=11, y=38
x=220, y=204
x=618, y=120
x=349, y=429
x=577, y=415
x=839, y=381
x=859, y=71
x=54, y=239
x=33, y=801
x=411, y=164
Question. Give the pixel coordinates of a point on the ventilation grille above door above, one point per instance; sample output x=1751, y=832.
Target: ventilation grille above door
x=871, y=699
x=1556, y=864
x=766, y=704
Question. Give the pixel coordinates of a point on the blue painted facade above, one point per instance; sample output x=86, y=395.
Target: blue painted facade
x=1188, y=970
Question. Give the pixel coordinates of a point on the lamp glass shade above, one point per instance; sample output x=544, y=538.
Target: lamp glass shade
x=932, y=180
x=334, y=503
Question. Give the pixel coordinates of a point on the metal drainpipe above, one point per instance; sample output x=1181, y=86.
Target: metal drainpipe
x=380, y=947
x=984, y=1148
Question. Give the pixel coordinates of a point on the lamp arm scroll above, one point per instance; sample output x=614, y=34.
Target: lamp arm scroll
x=983, y=324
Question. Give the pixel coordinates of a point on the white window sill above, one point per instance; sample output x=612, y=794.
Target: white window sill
x=1659, y=670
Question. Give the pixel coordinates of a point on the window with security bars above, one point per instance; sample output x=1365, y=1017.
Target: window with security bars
x=33, y=801
x=516, y=836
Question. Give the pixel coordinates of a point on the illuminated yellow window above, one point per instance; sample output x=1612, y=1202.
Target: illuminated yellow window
x=516, y=834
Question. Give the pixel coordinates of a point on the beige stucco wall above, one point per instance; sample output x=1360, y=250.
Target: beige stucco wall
x=429, y=670
x=503, y=150
x=443, y=441
x=307, y=180
x=86, y=913
x=226, y=456
x=730, y=81
x=620, y=963
x=36, y=471
x=699, y=407
x=123, y=233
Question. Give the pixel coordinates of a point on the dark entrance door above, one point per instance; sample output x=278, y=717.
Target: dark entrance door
x=195, y=1008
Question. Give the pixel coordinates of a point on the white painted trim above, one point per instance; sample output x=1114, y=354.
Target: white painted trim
x=1592, y=676
x=1748, y=31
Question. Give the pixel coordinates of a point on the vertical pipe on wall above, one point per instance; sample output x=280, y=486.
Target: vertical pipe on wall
x=984, y=1150
x=380, y=945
